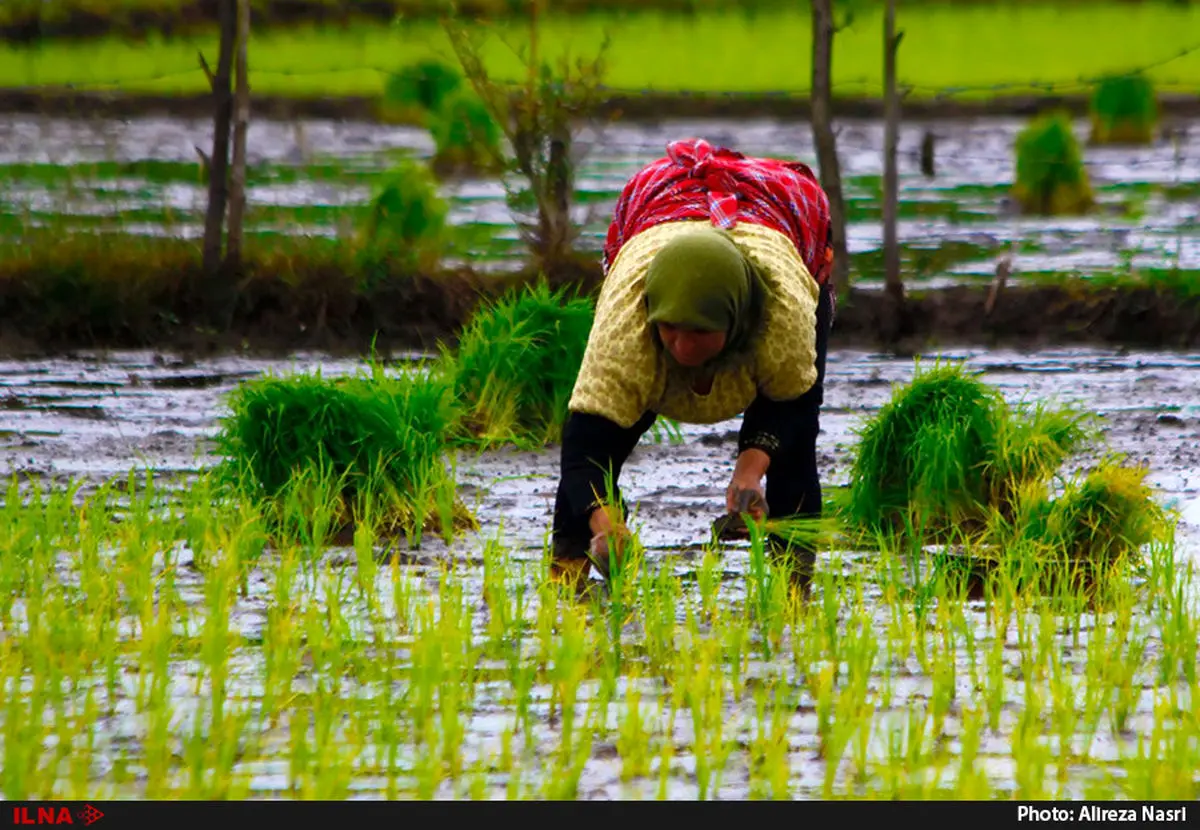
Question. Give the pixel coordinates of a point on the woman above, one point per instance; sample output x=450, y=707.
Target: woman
x=716, y=302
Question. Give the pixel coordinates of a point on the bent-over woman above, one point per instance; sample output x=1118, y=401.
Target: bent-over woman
x=716, y=302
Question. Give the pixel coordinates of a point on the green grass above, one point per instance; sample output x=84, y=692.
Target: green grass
x=1021, y=47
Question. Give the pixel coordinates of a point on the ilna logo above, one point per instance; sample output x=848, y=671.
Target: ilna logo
x=56, y=815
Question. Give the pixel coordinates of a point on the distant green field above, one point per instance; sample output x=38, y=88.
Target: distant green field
x=970, y=52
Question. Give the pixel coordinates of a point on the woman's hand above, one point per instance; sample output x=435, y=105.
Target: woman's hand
x=747, y=484
x=746, y=497
x=606, y=523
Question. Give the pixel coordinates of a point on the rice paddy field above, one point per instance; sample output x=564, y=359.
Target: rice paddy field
x=141, y=176
x=972, y=51
x=163, y=637
x=156, y=645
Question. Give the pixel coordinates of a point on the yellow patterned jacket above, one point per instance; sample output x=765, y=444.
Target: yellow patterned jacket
x=625, y=372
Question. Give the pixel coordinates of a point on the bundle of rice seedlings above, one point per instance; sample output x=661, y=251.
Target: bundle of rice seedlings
x=1072, y=544
x=466, y=137
x=1051, y=178
x=1101, y=519
x=1124, y=110
x=319, y=455
x=407, y=216
x=922, y=462
x=1031, y=446
x=418, y=89
x=516, y=362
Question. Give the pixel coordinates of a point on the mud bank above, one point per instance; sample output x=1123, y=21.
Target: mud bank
x=326, y=310
x=617, y=106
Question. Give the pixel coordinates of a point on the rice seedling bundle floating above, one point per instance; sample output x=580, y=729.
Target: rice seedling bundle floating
x=515, y=365
x=1050, y=176
x=1124, y=110
x=369, y=447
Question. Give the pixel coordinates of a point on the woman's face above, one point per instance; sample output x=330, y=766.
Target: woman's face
x=690, y=347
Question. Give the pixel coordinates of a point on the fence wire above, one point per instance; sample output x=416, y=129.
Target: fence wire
x=1082, y=83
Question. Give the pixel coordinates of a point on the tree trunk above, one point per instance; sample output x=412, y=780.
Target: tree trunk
x=823, y=137
x=559, y=187
x=241, y=124
x=218, y=184
x=893, y=284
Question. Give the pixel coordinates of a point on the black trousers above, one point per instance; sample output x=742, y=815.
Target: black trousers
x=793, y=482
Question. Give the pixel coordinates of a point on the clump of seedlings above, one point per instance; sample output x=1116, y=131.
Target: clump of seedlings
x=515, y=364
x=1124, y=110
x=320, y=456
x=925, y=453
x=407, y=218
x=435, y=94
x=465, y=135
x=1099, y=522
x=418, y=89
x=1050, y=176
x=946, y=450
x=948, y=461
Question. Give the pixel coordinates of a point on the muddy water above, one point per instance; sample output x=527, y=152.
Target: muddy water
x=100, y=417
x=973, y=169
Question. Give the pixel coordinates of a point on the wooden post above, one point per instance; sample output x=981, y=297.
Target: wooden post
x=927, y=164
x=823, y=137
x=241, y=124
x=218, y=184
x=891, y=247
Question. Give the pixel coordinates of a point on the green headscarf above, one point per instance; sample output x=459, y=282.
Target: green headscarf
x=702, y=280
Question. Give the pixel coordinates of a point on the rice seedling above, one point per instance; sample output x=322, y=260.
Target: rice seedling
x=949, y=461
x=923, y=457
x=515, y=363
x=415, y=681
x=1124, y=110
x=367, y=440
x=633, y=740
x=1050, y=176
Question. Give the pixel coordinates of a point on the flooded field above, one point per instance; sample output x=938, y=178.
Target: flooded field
x=142, y=176
x=424, y=682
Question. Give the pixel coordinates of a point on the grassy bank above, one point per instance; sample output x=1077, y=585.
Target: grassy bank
x=970, y=52
x=309, y=292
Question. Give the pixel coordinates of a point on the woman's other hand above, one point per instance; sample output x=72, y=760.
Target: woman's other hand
x=608, y=528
